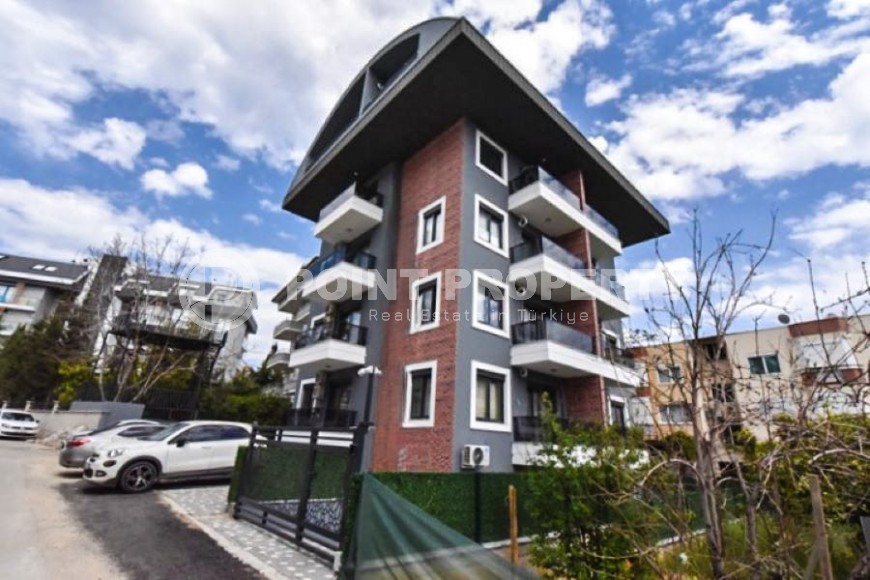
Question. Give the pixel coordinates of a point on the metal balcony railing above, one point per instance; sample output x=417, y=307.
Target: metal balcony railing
x=361, y=259
x=343, y=331
x=531, y=429
x=320, y=418
x=534, y=174
x=546, y=329
x=369, y=195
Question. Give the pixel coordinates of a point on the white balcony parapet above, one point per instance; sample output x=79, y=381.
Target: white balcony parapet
x=288, y=329
x=349, y=216
x=553, y=209
x=278, y=360
x=330, y=347
x=558, y=276
x=555, y=349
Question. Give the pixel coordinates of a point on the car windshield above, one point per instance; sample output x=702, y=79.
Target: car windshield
x=165, y=433
x=9, y=416
x=116, y=425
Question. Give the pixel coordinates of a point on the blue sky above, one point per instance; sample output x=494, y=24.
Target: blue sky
x=187, y=118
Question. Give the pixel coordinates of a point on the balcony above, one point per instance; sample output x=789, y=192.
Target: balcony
x=341, y=418
x=555, y=210
x=330, y=347
x=21, y=303
x=288, y=329
x=175, y=332
x=350, y=215
x=531, y=429
x=278, y=360
x=339, y=276
x=555, y=349
x=557, y=275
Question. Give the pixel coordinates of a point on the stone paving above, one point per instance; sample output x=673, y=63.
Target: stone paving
x=277, y=558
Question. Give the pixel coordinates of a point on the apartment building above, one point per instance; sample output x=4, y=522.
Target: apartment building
x=213, y=320
x=469, y=235
x=31, y=289
x=805, y=369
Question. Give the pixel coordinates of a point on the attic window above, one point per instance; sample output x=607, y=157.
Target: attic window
x=51, y=268
x=39, y=267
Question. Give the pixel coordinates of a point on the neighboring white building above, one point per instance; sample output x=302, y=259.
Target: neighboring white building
x=31, y=289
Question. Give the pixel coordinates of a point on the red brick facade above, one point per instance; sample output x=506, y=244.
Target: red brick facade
x=433, y=172
x=584, y=396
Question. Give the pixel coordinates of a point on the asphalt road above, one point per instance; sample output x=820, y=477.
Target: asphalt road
x=53, y=525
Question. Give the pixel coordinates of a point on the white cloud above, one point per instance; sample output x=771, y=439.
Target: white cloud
x=118, y=142
x=682, y=144
x=227, y=163
x=270, y=206
x=252, y=218
x=42, y=227
x=845, y=9
x=544, y=51
x=600, y=89
x=837, y=221
x=485, y=13
x=747, y=48
x=186, y=179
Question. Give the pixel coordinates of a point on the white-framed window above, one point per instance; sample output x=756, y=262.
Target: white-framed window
x=490, y=397
x=6, y=292
x=767, y=364
x=669, y=374
x=305, y=395
x=675, y=413
x=490, y=226
x=425, y=299
x=420, y=394
x=430, y=225
x=491, y=308
x=491, y=158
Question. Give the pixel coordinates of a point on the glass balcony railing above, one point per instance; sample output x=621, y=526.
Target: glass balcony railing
x=343, y=331
x=531, y=429
x=320, y=418
x=546, y=246
x=547, y=329
x=542, y=245
x=369, y=195
x=534, y=174
x=361, y=259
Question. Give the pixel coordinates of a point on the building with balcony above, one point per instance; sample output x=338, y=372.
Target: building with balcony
x=32, y=288
x=469, y=238
x=808, y=369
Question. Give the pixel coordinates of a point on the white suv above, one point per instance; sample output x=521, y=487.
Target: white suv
x=188, y=450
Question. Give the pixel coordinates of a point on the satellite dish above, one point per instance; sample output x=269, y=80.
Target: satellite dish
x=783, y=318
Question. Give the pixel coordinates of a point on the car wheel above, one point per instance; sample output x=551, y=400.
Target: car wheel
x=137, y=477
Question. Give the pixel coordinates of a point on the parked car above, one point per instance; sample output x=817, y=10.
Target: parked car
x=191, y=450
x=78, y=447
x=15, y=423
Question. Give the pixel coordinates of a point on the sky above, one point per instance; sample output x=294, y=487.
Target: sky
x=188, y=118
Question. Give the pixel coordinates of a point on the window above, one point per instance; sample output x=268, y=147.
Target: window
x=6, y=292
x=430, y=226
x=38, y=267
x=491, y=311
x=202, y=434
x=424, y=301
x=490, y=399
x=420, y=394
x=231, y=432
x=670, y=374
x=712, y=352
x=724, y=393
x=676, y=413
x=51, y=268
x=491, y=158
x=764, y=365
x=617, y=414
x=491, y=230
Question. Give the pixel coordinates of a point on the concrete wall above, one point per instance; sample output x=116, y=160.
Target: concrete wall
x=61, y=421
x=112, y=410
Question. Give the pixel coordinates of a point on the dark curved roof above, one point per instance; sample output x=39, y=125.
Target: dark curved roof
x=425, y=79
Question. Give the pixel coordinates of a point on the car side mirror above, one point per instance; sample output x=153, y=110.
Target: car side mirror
x=181, y=442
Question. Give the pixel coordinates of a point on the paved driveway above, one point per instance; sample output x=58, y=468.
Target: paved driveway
x=54, y=526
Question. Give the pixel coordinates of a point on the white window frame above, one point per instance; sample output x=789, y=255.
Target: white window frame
x=432, y=367
x=301, y=391
x=314, y=319
x=674, y=373
x=481, y=278
x=506, y=425
x=478, y=201
x=416, y=326
x=440, y=203
x=763, y=358
x=504, y=164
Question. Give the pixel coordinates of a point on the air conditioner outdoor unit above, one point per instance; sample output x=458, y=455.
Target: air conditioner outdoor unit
x=475, y=456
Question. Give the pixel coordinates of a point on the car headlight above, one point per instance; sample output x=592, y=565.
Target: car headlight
x=117, y=452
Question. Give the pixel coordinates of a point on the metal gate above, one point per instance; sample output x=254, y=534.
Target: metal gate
x=295, y=483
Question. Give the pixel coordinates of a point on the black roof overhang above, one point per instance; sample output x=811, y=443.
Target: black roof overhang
x=464, y=76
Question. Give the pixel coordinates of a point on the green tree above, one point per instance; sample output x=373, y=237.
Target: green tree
x=29, y=362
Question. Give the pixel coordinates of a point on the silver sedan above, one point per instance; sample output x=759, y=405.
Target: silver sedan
x=77, y=448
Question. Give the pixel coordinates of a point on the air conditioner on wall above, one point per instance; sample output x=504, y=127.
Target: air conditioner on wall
x=475, y=456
